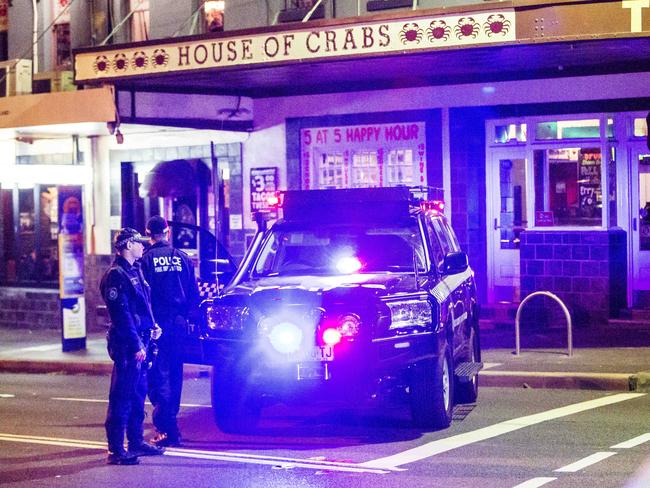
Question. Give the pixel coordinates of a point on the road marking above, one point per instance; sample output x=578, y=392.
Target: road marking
x=7, y=395
x=585, y=462
x=490, y=365
x=535, y=482
x=102, y=400
x=636, y=441
x=443, y=445
x=275, y=461
x=45, y=347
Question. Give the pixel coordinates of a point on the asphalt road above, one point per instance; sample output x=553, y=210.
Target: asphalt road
x=51, y=434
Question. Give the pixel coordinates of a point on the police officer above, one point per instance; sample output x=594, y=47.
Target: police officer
x=127, y=298
x=175, y=297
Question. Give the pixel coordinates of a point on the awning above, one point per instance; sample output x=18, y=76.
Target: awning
x=509, y=40
x=173, y=179
x=93, y=105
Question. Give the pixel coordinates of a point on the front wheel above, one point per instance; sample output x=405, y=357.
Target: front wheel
x=235, y=408
x=431, y=392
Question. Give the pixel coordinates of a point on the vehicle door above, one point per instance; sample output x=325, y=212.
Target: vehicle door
x=451, y=305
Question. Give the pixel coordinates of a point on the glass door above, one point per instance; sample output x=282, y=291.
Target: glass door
x=640, y=217
x=507, y=217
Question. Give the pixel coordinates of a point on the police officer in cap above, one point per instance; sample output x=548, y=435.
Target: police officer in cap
x=127, y=298
x=174, y=297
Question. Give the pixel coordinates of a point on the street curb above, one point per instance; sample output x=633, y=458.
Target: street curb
x=103, y=368
x=506, y=379
x=560, y=380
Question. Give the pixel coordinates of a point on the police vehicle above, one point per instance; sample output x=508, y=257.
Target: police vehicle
x=351, y=295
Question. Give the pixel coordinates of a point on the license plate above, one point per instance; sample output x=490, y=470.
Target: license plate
x=321, y=353
x=313, y=371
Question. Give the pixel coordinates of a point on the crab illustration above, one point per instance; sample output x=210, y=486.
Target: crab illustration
x=496, y=25
x=120, y=62
x=159, y=58
x=467, y=27
x=411, y=32
x=438, y=29
x=140, y=60
x=100, y=64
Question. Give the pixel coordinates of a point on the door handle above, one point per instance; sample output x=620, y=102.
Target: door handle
x=496, y=224
x=634, y=223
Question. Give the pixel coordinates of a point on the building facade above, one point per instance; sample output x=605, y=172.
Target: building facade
x=530, y=117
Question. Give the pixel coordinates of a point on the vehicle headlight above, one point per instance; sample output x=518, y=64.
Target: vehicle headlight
x=284, y=335
x=226, y=318
x=411, y=313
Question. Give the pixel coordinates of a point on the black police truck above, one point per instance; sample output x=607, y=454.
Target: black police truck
x=353, y=294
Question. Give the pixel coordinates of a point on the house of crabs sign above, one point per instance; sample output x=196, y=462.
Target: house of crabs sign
x=421, y=33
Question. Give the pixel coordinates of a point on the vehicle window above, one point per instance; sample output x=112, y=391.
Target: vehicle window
x=451, y=236
x=437, y=251
x=317, y=251
x=440, y=231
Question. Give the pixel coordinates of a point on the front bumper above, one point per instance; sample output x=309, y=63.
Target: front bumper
x=358, y=369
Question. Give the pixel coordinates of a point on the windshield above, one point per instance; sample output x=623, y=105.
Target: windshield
x=330, y=250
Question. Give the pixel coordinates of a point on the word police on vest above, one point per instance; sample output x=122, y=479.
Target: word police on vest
x=165, y=264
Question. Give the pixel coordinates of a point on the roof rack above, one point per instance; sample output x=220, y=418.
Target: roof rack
x=425, y=193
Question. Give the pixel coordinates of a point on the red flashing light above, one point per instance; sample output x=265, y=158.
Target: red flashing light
x=331, y=337
x=435, y=206
x=275, y=200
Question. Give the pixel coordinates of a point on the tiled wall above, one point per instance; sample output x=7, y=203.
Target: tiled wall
x=586, y=269
x=29, y=308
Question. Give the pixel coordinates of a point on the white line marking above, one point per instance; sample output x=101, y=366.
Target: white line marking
x=585, y=462
x=7, y=395
x=535, y=482
x=491, y=365
x=209, y=455
x=443, y=445
x=101, y=400
x=636, y=441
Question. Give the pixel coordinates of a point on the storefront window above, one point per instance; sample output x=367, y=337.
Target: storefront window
x=30, y=237
x=504, y=134
x=374, y=155
x=572, y=129
x=568, y=189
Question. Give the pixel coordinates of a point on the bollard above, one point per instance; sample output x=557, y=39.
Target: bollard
x=566, y=314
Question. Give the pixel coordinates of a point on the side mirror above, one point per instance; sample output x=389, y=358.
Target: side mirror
x=454, y=263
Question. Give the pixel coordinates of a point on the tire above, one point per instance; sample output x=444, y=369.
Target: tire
x=431, y=392
x=235, y=408
x=467, y=392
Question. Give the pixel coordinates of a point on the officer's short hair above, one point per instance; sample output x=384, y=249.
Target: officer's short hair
x=157, y=225
x=126, y=235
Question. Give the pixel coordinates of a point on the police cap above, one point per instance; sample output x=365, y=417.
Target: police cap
x=126, y=235
x=157, y=225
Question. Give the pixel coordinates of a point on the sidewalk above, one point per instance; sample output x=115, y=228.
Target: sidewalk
x=603, y=359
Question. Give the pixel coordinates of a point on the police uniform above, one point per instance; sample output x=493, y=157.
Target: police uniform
x=175, y=297
x=127, y=298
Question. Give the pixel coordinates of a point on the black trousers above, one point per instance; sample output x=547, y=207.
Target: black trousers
x=166, y=375
x=126, y=404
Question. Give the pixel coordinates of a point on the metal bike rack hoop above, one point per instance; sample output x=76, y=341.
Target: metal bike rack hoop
x=566, y=314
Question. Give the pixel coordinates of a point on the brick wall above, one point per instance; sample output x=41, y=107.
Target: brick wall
x=586, y=269
x=29, y=308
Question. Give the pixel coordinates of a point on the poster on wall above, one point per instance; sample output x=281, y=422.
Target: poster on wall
x=359, y=156
x=71, y=267
x=71, y=242
x=589, y=187
x=264, y=183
